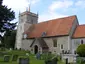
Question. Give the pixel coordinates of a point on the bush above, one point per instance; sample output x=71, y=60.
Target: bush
x=80, y=60
x=51, y=61
x=2, y=49
x=46, y=56
x=81, y=50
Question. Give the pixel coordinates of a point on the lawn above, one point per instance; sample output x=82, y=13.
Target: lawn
x=32, y=61
x=32, y=58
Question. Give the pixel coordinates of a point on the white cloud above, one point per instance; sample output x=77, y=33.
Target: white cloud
x=21, y=5
x=80, y=3
x=16, y=4
x=50, y=16
x=33, y=1
x=60, y=5
x=63, y=5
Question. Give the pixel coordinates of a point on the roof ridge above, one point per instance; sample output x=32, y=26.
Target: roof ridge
x=82, y=25
x=59, y=26
x=57, y=19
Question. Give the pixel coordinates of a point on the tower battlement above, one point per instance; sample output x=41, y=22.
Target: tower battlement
x=28, y=13
x=26, y=19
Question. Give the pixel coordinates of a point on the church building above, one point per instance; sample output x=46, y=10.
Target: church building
x=61, y=35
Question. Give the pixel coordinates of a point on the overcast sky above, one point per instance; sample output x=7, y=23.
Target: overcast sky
x=49, y=9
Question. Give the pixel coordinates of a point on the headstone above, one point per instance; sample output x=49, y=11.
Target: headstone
x=82, y=60
x=23, y=61
x=66, y=60
x=74, y=59
x=60, y=56
x=0, y=42
x=27, y=54
x=10, y=49
x=54, y=60
x=6, y=58
x=15, y=57
x=48, y=62
x=38, y=56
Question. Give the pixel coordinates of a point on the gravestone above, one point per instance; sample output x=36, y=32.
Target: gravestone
x=27, y=54
x=23, y=61
x=82, y=60
x=60, y=56
x=48, y=62
x=38, y=56
x=66, y=60
x=54, y=60
x=10, y=49
x=6, y=58
x=15, y=57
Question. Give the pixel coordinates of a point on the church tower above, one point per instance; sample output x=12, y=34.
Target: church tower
x=26, y=19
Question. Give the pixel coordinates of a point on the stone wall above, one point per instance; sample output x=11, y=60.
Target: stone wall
x=73, y=28
x=76, y=43
x=39, y=46
x=71, y=58
x=26, y=44
x=25, y=20
x=49, y=41
x=60, y=41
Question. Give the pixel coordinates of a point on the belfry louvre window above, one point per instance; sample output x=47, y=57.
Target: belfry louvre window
x=55, y=42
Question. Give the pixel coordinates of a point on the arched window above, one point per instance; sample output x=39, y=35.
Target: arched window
x=20, y=27
x=61, y=46
x=55, y=42
x=32, y=21
x=81, y=41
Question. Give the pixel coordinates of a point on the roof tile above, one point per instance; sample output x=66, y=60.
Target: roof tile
x=79, y=32
x=54, y=27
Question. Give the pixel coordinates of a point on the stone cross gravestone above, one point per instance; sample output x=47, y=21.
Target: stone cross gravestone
x=23, y=61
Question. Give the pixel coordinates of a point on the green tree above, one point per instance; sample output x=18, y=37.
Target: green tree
x=81, y=50
x=6, y=26
x=6, y=16
x=9, y=39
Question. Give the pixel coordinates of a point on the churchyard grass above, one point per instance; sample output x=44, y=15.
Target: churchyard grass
x=32, y=58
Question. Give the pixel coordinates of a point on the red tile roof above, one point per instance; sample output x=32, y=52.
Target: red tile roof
x=79, y=32
x=56, y=27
